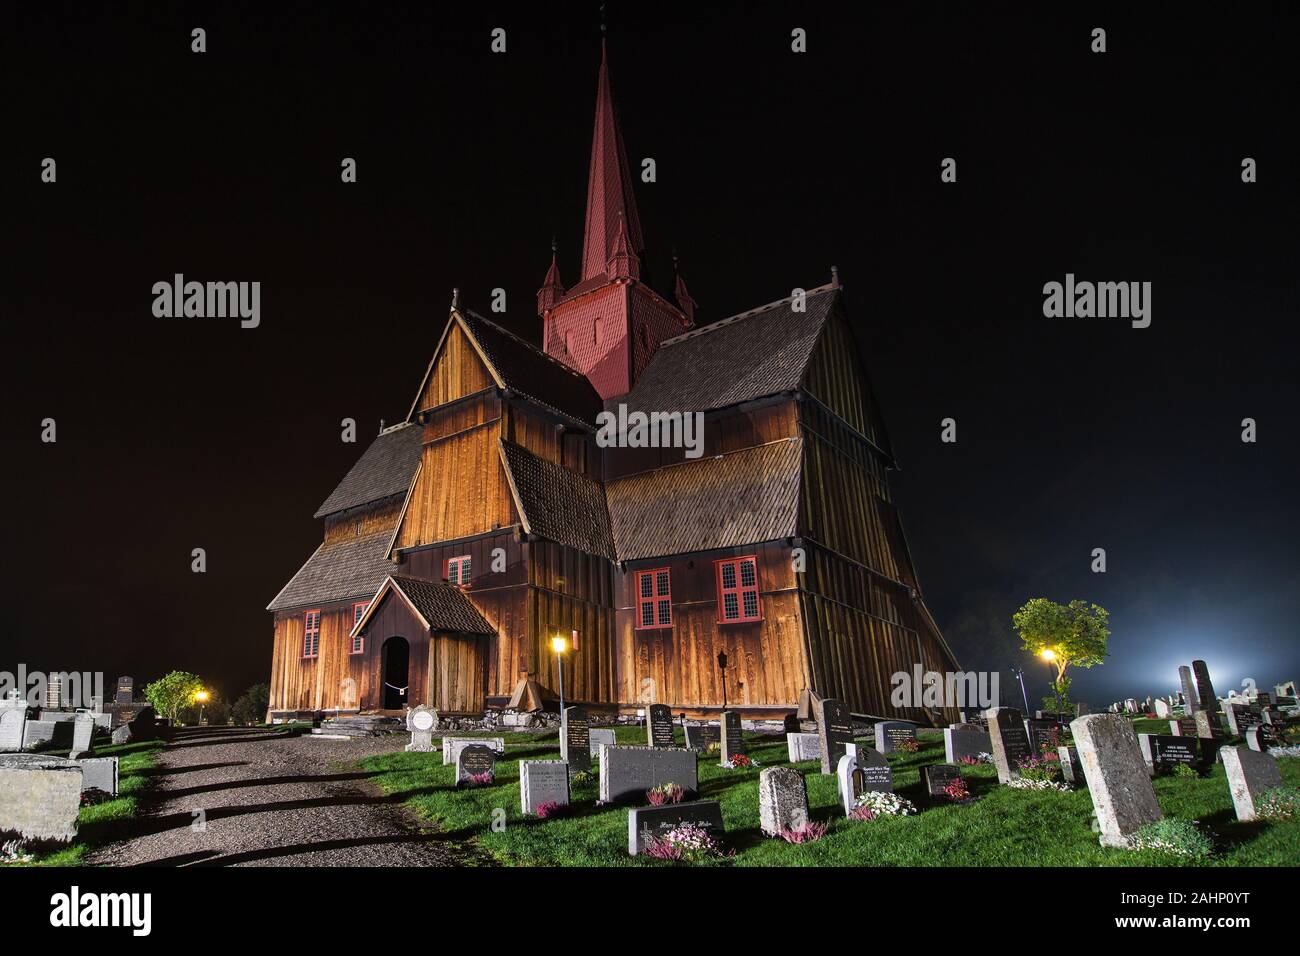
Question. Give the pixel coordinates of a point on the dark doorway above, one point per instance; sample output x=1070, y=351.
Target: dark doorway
x=393, y=668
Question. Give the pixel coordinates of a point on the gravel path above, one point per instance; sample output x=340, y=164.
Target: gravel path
x=271, y=800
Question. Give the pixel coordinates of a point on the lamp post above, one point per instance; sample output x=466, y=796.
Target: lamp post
x=1020, y=675
x=1049, y=655
x=201, y=698
x=559, y=645
x=722, y=665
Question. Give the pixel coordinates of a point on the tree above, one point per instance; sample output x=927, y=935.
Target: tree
x=169, y=694
x=251, y=708
x=1063, y=635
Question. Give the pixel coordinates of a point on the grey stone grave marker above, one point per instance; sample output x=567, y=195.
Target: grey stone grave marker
x=1117, y=776
x=421, y=721
x=800, y=747
x=958, y=743
x=13, y=721
x=782, y=800
x=597, y=736
x=626, y=773
x=99, y=773
x=1071, y=769
x=1183, y=727
x=1191, y=703
x=1204, y=689
x=1260, y=737
x=543, y=781
x=1010, y=742
x=83, y=730
x=1249, y=774
x=835, y=727
x=732, y=742
x=40, y=796
x=645, y=824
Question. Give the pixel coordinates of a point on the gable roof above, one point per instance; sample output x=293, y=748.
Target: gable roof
x=439, y=607
x=751, y=355
x=384, y=469
x=557, y=503
x=518, y=366
x=745, y=497
x=350, y=568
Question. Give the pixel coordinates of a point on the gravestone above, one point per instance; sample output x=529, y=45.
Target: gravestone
x=1117, y=776
x=1010, y=742
x=800, y=747
x=1204, y=689
x=13, y=721
x=83, y=730
x=596, y=737
x=1183, y=727
x=790, y=724
x=1285, y=690
x=451, y=746
x=55, y=732
x=862, y=772
x=40, y=796
x=936, y=776
x=1041, y=734
x=626, y=773
x=1162, y=707
x=1164, y=752
x=99, y=773
x=890, y=733
x=646, y=824
x=473, y=760
x=421, y=721
x=1249, y=774
x=1071, y=769
x=1261, y=737
x=835, y=727
x=958, y=743
x=125, y=690
x=659, y=726
x=1207, y=724
x=782, y=800
x=543, y=781
x=703, y=736
x=732, y=742
x=1239, y=717
x=1131, y=705
x=1191, y=703
x=575, y=739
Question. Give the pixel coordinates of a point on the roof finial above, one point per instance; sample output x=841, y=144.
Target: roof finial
x=554, y=247
x=381, y=426
x=455, y=298
x=602, y=21
x=835, y=277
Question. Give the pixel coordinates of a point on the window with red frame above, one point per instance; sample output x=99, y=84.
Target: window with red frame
x=358, y=642
x=654, y=599
x=738, y=590
x=458, y=571
x=311, y=634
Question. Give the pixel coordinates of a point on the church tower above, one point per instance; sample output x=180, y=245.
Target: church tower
x=608, y=325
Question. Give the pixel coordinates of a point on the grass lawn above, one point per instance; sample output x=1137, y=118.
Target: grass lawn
x=102, y=822
x=1004, y=827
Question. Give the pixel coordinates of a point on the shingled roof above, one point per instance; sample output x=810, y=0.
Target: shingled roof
x=760, y=352
x=339, y=570
x=557, y=503
x=744, y=497
x=525, y=369
x=441, y=606
x=384, y=469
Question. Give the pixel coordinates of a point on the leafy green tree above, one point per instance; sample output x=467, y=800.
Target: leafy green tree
x=1064, y=635
x=251, y=707
x=172, y=693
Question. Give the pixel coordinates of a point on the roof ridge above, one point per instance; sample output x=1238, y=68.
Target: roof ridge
x=696, y=461
x=828, y=287
x=524, y=342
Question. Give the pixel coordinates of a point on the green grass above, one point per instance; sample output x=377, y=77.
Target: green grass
x=103, y=822
x=1004, y=827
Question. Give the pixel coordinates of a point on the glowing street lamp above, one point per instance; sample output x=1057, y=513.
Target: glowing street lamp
x=1047, y=654
x=559, y=645
x=201, y=697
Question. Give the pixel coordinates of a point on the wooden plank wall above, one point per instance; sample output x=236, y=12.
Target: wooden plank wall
x=730, y=430
x=765, y=665
x=570, y=590
x=371, y=519
x=302, y=683
x=458, y=371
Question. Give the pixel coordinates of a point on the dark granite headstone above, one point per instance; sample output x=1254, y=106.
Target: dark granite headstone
x=473, y=760
x=659, y=726
x=732, y=741
x=1183, y=727
x=1205, y=689
x=936, y=776
x=1040, y=734
x=626, y=773
x=1262, y=736
x=891, y=733
x=125, y=690
x=646, y=824
x=1162, y=751
x=1190, y=700
x=575, y=739
x=835, y=727
x=1010, y=742
x=702, y=736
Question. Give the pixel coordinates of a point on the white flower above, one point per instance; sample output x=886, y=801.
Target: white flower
x=1023, y=783
x=881, y=803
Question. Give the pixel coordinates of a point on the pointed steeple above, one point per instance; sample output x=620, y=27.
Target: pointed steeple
x=552, y=289
x=683, y=297
x=623, y=263
x=609, y=185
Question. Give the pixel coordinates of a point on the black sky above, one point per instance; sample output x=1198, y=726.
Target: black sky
x=1073, y=433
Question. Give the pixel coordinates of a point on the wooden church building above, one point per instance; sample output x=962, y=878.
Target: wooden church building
x=492, y=518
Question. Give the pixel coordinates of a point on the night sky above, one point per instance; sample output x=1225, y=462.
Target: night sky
x=1073, y=433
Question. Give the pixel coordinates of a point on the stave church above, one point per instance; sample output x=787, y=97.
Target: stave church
x=766, y=570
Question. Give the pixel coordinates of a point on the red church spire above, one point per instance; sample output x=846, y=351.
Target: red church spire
x=552, y=289
x=609, y=186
